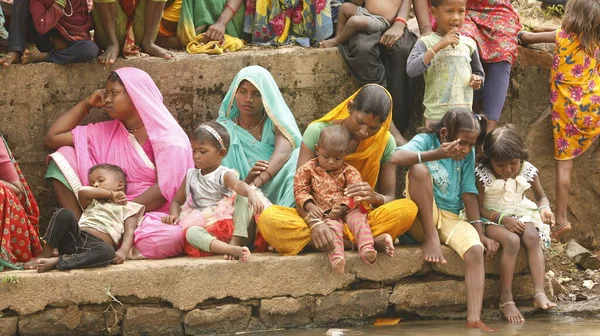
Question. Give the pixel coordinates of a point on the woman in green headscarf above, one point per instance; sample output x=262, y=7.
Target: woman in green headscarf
x=265, y=139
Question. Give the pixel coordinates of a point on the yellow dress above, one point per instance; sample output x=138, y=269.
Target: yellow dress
x=575, y=97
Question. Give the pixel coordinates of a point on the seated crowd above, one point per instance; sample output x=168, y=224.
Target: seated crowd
x=252, y=182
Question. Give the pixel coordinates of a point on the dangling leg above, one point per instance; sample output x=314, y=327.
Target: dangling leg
x=357, y=222
x=563, y=187
x=336, y=257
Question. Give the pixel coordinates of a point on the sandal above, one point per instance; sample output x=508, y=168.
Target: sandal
x=520, y=41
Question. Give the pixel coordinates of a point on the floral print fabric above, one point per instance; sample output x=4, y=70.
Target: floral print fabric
x=286, y=21
x=494, y=25
x=575, y=97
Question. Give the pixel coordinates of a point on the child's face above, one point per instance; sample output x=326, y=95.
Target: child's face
x=206, y=155
x=362, y=125
x=118, y=105
x=106, y=179
x=506, y=169
x=248, y=99
x=330, y=159
x=450, y=14
x=468, y=139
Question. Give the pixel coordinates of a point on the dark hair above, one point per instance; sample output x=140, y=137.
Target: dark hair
x=374, y=100
x=503, y=144
x=114, y=77
x=460, y=119
x=201, y=134
x=113, y=169
x=581, y=18
x=335, y=136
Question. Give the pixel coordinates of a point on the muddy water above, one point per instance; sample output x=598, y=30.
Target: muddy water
x=534, y=326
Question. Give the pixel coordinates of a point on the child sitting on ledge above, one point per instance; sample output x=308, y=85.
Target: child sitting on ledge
x=107, y=220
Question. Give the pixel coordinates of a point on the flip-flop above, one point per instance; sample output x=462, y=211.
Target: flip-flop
x=519, y=35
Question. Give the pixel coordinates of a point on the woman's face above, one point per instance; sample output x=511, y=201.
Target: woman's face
x=118, y=105
x=362, y=125
x=248, y=99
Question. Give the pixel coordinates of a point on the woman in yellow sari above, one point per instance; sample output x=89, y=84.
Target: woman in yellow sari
x=366, y=115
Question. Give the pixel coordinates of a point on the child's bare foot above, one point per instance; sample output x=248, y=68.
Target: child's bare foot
x=511, y=312
x=29, y=57
x=368, y=255
x=339, y=266
x=156, y=51
x=31, y=264
x=560, y=229
x=384, y=243
x=109, y=56
x=479, y=325
x=46, y=264
x=432, y=251
x=328, y=43
x=10, y=58
x=540, y=300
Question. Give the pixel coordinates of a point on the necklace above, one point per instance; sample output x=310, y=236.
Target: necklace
x=70, y=14
x=133, y=130
x=255, y=127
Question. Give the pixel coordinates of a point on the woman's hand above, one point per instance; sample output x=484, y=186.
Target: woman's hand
x=362, y=192
x=96, y=99
x=259, y=167
x=322, y=237
x=215, y=32
x=547, y=216
x=513, y=225
x=392, y=35
x=491, y=246
x=170, y=219
x=314, y=211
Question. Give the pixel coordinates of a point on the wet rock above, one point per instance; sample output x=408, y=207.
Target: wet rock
x=352, y=305
x=581, y=256
x=285, y=312
x=149, y=320
x=63, y=321
x=220, y=320
x=8, y=325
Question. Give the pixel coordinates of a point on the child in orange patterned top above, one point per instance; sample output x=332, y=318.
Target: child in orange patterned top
x=319, y=188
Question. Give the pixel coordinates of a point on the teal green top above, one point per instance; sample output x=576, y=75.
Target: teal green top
x=313, y=131
x=245, y=150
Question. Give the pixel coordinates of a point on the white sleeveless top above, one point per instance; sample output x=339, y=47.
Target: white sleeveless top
x=204, y=191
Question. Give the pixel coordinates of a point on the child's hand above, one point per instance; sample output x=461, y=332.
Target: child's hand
x=475, y=82
x=449, y=150
x=119, y=198
x=96, y=99
x=120, y=257
x=547, y=216
x=513, y=225
x=491, y=246
x=170, y=219
x=338, y=211
x=452, y=38
x=314, y=211
x=255, y=203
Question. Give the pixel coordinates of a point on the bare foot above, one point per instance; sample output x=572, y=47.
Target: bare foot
x=109, y=56
x=560, y=229
x=46, y=264
x=511, y=312
x=432, y=251
x=156, y=51
x=479, y=325
x=10, y=58
x=384, y=243
x=29, y=57
x=339, y=266
x=368, y=255
x=245, y=255
x=31, y=264
x=540, y=300
x=328, y=43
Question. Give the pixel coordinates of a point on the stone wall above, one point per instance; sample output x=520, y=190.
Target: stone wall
x=214, y=296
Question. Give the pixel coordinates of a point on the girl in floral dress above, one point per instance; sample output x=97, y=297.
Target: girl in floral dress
x=494, y=25
x=574, y=94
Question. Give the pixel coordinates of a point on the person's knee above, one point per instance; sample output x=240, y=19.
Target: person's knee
x=474, y=255
x=419, y=172
x=358, y=23
x=531, y=239
x=512, y=243
x=348, y=9
x=106, y=252
x=89, y=51
x=64, y=215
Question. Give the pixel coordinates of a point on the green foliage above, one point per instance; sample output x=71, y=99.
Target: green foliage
x=10, y=279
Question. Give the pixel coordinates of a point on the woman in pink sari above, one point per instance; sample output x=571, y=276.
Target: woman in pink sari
x=143, y=139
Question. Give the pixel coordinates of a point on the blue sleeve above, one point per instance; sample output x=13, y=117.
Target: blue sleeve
x=467, y=179
x=419, y=143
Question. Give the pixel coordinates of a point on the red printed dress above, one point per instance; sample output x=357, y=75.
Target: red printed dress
x=494, y=25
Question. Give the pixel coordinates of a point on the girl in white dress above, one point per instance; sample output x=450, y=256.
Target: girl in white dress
x=502, y=179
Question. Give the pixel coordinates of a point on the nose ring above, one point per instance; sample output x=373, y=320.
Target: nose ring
x=251, y=100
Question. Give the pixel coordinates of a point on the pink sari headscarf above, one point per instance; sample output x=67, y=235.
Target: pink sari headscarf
x=110, y=142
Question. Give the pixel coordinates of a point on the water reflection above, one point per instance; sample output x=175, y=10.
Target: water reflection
x=534, y=326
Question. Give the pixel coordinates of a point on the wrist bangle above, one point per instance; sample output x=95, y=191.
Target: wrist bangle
x=543, y=207
x=419, y=156
x=84, y=108
x=501, y=218
x=270, y=176
x=231, y=9
x=476, y=222
x=401, y=20
x=316, y=224
x=262, y=182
